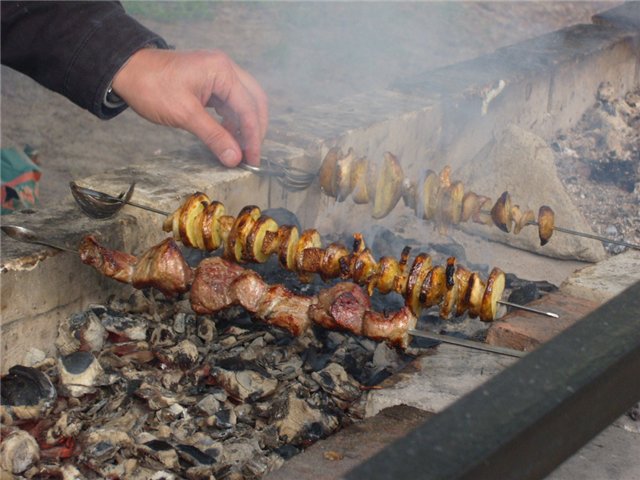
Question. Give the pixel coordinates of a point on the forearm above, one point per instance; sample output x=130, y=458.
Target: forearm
x=73, y=48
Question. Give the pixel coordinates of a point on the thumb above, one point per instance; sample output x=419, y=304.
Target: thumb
x=214, y=136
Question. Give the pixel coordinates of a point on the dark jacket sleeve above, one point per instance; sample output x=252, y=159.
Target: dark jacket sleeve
x=73, y=48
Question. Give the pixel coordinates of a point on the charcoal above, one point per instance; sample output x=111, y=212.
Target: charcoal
x=245, y=384
x=80, y=373
x=194, y=455
x=225, y=418
x=124, y=327
x=287, y=451
x=334, y=380
x=18, y=452
x=209, y=405
x=26, y=387
x=81, y=331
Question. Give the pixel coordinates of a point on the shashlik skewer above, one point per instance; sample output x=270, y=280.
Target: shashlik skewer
x=253, y=237
x=217, y=284
x=437, y=198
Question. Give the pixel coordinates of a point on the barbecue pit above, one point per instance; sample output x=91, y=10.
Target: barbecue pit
x=24, y=309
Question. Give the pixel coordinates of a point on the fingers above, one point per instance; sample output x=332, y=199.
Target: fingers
x=216, y=137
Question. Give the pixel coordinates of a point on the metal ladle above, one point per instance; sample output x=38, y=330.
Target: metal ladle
x=27, y=235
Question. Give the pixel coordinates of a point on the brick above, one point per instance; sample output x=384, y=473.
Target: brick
x=525, y=330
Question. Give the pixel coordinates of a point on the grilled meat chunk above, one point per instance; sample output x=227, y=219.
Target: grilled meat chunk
x=111, y=263
x=163, y=267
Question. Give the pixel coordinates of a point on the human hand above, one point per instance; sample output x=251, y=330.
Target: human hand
x=172, y=88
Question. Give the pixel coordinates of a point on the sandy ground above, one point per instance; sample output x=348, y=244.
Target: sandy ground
x=302, y=53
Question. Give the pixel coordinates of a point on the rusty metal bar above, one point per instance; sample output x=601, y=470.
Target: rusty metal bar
x=528, y=419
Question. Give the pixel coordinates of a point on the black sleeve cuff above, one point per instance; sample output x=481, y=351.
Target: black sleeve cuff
x=108, y=47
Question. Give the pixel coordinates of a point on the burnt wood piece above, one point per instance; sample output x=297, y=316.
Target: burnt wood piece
x=531, y=417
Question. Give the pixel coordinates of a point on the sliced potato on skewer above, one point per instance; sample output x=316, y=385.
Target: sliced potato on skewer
x=388, y=186
x=475, y=292
x=434, y=287
x=493, y=293
x=240, y=231
x=331, y=261
x=430, y=189
x=462, y=279
x=190, y=231
x=342, y=176
x=501, y=213
x=254, y=246
x=388, y=270
x=288, y=240
x=546, y=220
x=327, y=171
x=211, y=225
x=359, y=182
x=419, y=270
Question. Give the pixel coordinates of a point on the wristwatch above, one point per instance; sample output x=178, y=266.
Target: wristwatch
x=111, y=99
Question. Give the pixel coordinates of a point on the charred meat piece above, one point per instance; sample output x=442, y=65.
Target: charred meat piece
x=211, y=290
x=111, y=263
x=163, y=267
x=341, y=307
x=284, y=309
x=392, y=328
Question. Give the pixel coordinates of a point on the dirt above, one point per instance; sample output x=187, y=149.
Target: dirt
x=302, y=53
x=598, y=162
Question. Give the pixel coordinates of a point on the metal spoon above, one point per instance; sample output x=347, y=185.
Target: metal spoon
x=26, y=235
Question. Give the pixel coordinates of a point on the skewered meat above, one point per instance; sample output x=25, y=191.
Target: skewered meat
x=219, y=284
x=111, y=263
x=438, y=198
x=162, y=267
x=253, y=237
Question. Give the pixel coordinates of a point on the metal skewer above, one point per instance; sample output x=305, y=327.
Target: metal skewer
x=529, y=309
x=26, y=235
x=583, y=234
x=467, y=343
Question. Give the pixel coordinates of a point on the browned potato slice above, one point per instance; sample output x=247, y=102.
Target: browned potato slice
x=449, y=301
x=501, y=213
x=430, y=189
x=288, y=240
x=388, y=269
x=211, y=225
x=239, y=232
x=493, y=293
x=462, y=279
x=364, y=267
x=475, y=292
x=482, y=216
x=190, y=233
x=331, y=261
x=434, y=287
x=254, y=246
x=470, y=206
x=546, y=220
x=388, y=186
x=342, y=177
x=327, y=171
x=521, y=219
x=359, y=182
x=417, y=274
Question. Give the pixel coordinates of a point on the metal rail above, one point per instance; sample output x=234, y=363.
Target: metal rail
x=528, y=419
